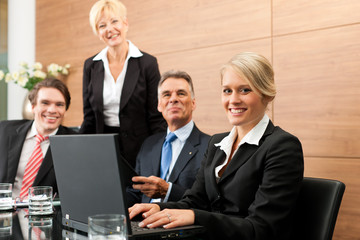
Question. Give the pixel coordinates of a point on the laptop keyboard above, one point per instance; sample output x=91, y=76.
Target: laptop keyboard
x=135, y=227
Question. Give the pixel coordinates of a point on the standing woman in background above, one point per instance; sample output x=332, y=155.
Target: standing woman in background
x=120, y=83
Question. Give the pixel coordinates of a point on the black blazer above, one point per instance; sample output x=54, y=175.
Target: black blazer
x=12, y=137
x=255, y=197
x=185, y=169
x=139, y=117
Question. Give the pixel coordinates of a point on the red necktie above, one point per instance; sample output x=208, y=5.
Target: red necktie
x=32, y=167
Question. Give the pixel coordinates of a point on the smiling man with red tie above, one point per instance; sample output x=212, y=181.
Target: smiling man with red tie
x=25, y=157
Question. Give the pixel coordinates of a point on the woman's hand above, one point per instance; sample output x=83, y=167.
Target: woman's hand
x=168, y=218
x=146, y=208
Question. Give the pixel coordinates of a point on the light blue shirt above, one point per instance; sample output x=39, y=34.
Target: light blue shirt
x=177, y=145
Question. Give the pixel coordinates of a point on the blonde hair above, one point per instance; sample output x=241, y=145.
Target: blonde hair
x=106, y=6
x=256, y=69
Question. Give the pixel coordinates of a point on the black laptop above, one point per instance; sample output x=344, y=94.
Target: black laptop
x=91, y=176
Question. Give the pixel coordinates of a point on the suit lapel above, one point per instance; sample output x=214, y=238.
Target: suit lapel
x=244, y=153
x=130, y=81
x=16, y=142
x=97, y=81
x=156, y=155
x=187, y=153
x=213, y=189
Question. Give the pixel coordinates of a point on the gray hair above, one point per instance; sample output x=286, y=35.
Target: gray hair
x=177, y=74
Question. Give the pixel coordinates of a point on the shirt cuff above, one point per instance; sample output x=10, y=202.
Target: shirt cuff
x=168, y=192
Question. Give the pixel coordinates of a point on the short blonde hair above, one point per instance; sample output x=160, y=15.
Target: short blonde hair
x=256, y=69
x=108, y=6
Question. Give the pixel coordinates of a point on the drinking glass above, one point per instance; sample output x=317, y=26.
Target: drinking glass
x=40, y=200
x=5, y=196
x=40, y=227
x=5, y=225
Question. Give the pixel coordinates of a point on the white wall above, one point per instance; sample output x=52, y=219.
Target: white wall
x=21, y=47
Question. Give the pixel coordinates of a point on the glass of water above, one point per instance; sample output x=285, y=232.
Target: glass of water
x=107, y=226
x=5, y=225
x=5, y=196
x=40, y=200
x=40, y=227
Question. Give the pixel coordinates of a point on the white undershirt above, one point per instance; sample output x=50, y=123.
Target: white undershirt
x=27, y=149
x=112, y=89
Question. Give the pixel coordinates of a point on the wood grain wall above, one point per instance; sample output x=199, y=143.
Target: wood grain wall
x=313, y=46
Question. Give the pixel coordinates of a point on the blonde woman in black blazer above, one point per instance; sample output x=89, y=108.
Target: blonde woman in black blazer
x=120, y=83
x=250, y=178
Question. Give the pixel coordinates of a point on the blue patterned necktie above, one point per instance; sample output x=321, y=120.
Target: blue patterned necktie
x=166, y=155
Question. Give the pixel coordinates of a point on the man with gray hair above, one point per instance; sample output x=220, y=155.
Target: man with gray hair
x=168, y=162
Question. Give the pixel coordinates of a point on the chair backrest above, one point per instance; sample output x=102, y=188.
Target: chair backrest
x=317, y=208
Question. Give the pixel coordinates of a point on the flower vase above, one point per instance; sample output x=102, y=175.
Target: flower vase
x=27, y=109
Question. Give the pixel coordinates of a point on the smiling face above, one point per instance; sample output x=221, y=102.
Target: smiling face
x=48, y=110
x=244, y=108
x=112, y=29
x=175, y=102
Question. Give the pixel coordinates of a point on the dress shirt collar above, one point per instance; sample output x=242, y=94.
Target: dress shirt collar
x=33, y=132
x=184, y=132
x=253, y=137
x=133, y=52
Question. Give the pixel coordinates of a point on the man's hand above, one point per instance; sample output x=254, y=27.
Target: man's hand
x=153, y=187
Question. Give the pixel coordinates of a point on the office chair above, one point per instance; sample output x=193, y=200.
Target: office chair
x=317, y=209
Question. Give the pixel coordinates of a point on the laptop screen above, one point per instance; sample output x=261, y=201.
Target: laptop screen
x=87, y=173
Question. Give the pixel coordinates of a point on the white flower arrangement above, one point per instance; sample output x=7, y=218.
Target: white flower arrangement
x=27, y=77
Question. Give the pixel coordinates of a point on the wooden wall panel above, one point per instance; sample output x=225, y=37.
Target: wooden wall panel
x=63, y=35
x=173, y=26
x=346, y=170
x=3, y=26
x=319, y=88
x=305, y=15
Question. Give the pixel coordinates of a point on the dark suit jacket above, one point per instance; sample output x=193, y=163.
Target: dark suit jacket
x=12, y=137
x=255, y=196
x=185, y=168
x=139, y=117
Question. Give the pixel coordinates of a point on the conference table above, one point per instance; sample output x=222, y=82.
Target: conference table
x=18, y=225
